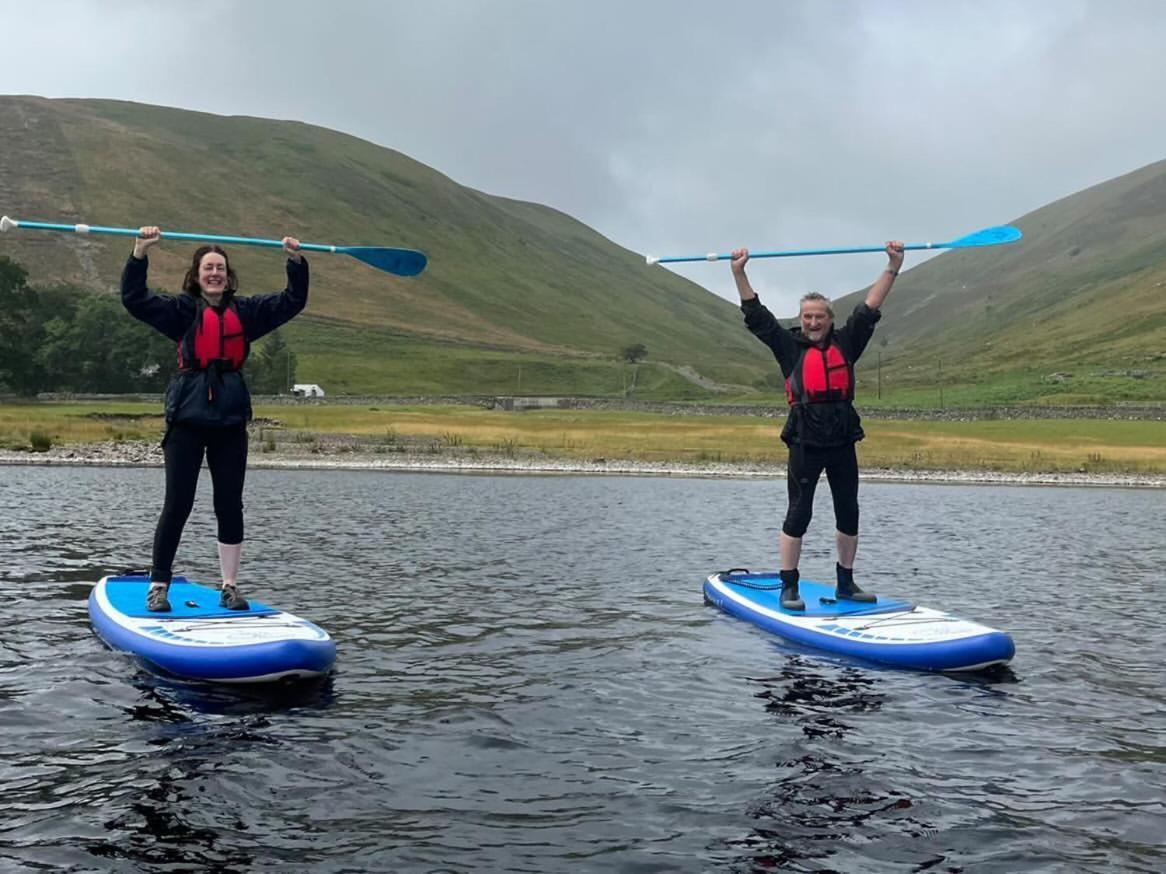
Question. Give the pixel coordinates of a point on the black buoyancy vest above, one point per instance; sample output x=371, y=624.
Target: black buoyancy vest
x=214, y=338
x=820, y=376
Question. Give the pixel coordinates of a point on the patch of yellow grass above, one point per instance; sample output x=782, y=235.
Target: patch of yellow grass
x=1056, y=445
x=71, y=423
x=1026, y=445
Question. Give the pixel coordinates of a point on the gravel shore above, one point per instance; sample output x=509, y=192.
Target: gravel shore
x=149, y=454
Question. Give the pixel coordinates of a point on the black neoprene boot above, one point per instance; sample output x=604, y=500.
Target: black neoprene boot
x=848, y=590
x=790, y=599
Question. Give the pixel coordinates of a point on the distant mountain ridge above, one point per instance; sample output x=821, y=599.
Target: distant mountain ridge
x=1083, y=291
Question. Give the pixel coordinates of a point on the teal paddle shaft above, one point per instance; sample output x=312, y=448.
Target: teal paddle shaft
x=401, y=262
x=987, y=237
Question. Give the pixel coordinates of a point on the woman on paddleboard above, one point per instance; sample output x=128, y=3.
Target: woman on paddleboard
x=817, y=361
x=207, y=402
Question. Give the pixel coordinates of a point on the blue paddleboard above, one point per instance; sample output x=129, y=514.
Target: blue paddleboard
x=889, y=631
x=200, y=640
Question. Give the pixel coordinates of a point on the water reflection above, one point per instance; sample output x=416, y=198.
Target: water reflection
x=167, y=823
x=812, y=693
x=838, y=799
x=820, y=795
x=172, y=699
x=528, y=683
x=188, y=812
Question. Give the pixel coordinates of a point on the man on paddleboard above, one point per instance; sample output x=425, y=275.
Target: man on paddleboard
x=817, y=360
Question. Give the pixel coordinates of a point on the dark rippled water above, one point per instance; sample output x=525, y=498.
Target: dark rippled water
x=528, y=681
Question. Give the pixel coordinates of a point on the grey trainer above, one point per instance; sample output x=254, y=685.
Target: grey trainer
x=232, y=600
x=156, y=600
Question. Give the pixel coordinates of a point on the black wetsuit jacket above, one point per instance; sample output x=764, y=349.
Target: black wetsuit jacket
x=216, y=397
x=824, y=425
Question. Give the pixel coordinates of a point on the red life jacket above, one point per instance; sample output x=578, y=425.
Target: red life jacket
x=213, y=337
x=821, y=376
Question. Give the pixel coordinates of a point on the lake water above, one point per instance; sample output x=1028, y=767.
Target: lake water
x=528, y=680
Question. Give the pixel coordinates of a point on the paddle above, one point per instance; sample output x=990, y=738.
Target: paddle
x=401, y=262
x=986, y=237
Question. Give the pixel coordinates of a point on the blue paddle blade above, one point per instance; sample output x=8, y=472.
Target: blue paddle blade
x=988, y=237
x=401, y=262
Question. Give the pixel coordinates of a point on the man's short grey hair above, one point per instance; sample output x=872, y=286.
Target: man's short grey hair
x=813, y=295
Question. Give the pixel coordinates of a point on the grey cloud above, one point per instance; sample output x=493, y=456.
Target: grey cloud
x=672, y=128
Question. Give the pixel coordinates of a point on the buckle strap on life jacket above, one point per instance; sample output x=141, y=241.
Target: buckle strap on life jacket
x=820, y=376
x=215, y=337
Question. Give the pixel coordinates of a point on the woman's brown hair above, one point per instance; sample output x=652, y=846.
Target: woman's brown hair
x=190, y=281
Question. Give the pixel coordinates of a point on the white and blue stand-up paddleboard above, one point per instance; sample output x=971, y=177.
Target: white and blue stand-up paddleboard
x=199, y=640
x=889, y=631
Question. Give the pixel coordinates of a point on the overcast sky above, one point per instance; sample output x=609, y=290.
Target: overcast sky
x=673, y=128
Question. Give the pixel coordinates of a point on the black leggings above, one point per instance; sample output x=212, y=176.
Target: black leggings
x=806, y=464
x=226, y=456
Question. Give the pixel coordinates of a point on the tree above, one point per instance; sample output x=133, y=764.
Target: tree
x=95, y=346
x=271, y=369
x=66, y=339
x=635, y=353
x=17, y=328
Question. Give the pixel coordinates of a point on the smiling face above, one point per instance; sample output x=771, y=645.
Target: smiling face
x=212, y=275
x=816, y=320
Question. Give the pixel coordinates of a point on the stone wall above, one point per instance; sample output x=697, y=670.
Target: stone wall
x=1151, y=412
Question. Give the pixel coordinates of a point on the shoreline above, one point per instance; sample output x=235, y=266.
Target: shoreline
x=149, y=454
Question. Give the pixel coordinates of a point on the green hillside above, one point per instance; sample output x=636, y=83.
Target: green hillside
x=520, y=298
x=1073, y=313
x=512, y=288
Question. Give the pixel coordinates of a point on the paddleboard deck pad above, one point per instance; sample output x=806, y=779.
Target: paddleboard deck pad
x=889, y=631
x=200, y=640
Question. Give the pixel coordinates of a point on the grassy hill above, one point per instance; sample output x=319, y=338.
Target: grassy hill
x=518, y=296
x=1073, y=313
